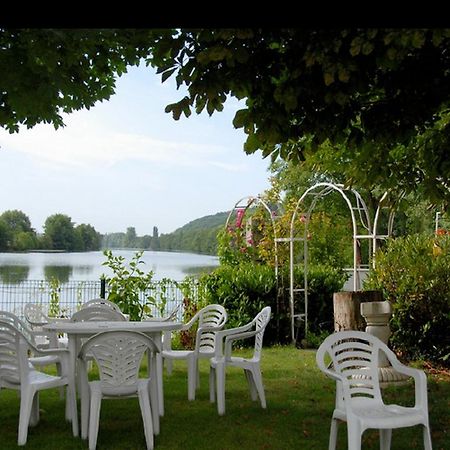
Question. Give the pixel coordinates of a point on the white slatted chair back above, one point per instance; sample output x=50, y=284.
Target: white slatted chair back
x=260, y=322
x=211, y=316
x=34, y=315
x=15, y=321
x=17, y=373
x=118, y=355
x=101, y=302
x=13, y=362
x=36, y=339
x=97, y=313
x=354, y=356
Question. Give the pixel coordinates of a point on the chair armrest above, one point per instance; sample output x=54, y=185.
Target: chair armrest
x=419, y=376
x=52, y=351
x=222, y=334
x=237, y=336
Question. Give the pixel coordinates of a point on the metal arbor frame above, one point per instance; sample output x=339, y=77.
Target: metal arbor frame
x=357, y=207
x=361, y=227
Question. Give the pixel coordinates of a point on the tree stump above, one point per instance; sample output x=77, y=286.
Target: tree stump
x=347, y=309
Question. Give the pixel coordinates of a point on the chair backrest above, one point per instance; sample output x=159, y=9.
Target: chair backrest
x=100, y=302
x=20, y=325
x=261, y=320
x=97, y=313
x=354, y=356
x=34, y=315
x=118, y=355
x=14, y=346
x=210, y=316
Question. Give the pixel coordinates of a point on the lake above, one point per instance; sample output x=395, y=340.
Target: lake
x=87, y=266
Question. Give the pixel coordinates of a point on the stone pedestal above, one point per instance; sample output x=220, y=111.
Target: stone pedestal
x=377, y=315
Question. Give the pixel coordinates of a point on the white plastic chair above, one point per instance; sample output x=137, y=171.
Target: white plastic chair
x=99, y=302
x=354, y=356
x=17, y=373
x=210, y=319
x=252, y=367
x=118, y=355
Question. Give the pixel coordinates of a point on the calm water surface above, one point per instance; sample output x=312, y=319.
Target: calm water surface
x=18, y=267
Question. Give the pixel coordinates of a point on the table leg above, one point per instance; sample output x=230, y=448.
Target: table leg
x=159, y=374
x=72, y=346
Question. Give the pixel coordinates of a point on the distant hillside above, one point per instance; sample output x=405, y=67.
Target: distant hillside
x=205, y=222
x=198, y=236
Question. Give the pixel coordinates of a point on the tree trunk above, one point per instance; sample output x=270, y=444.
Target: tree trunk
x=347, y=309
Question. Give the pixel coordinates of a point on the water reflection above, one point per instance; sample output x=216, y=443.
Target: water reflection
x=14, y=274
x=66, y=267
x=61, y=273
x=197, y=270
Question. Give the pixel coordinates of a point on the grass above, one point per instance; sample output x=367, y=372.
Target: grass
x=299, y=405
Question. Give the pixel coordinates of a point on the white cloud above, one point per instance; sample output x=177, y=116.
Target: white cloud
x=84, y=143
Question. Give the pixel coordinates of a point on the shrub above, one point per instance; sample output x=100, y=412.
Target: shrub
x=413, y=272
x=243, y=290
x=246, y=288
x=129, y=284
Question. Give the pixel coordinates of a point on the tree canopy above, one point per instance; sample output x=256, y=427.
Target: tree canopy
x=375, y=102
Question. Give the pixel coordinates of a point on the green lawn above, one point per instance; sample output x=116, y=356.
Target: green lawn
x=299, y=405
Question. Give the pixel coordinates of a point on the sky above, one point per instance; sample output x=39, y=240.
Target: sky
x=127, y=163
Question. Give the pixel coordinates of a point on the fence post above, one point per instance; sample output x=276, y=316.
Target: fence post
x=102, y=288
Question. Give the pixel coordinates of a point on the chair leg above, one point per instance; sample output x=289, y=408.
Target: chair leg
x=34, y=416
x=58, y=372
x=333, y=434
x=257, y=379
x=251, y=384
x=94, y=417
x=220, y=388
x=427, y=438
x=197, y=378
x=26, y=403
x=84, y=409
x=153, y=390
x=385, y=439
x=169, y=366
x=192, y=377
x=212, y=384
x=354, y=436
x=146, y=412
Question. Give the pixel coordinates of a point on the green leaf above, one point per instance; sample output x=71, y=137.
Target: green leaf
x=167, y=74
x=241, y=118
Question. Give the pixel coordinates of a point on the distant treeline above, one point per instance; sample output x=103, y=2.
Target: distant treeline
x=60, y=233
x=198, y=236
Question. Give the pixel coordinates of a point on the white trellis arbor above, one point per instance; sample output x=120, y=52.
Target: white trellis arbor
x=362, y=229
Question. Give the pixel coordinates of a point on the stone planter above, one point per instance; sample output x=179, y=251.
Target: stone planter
x=377, y=316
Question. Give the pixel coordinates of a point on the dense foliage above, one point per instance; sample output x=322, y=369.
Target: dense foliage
x=374, y=99
x=49, y=71
x=60, y=233
x=414, y=274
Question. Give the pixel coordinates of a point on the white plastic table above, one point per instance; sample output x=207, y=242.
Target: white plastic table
x=77, y=330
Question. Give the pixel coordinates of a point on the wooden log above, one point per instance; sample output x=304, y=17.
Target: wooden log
x=347, y=309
